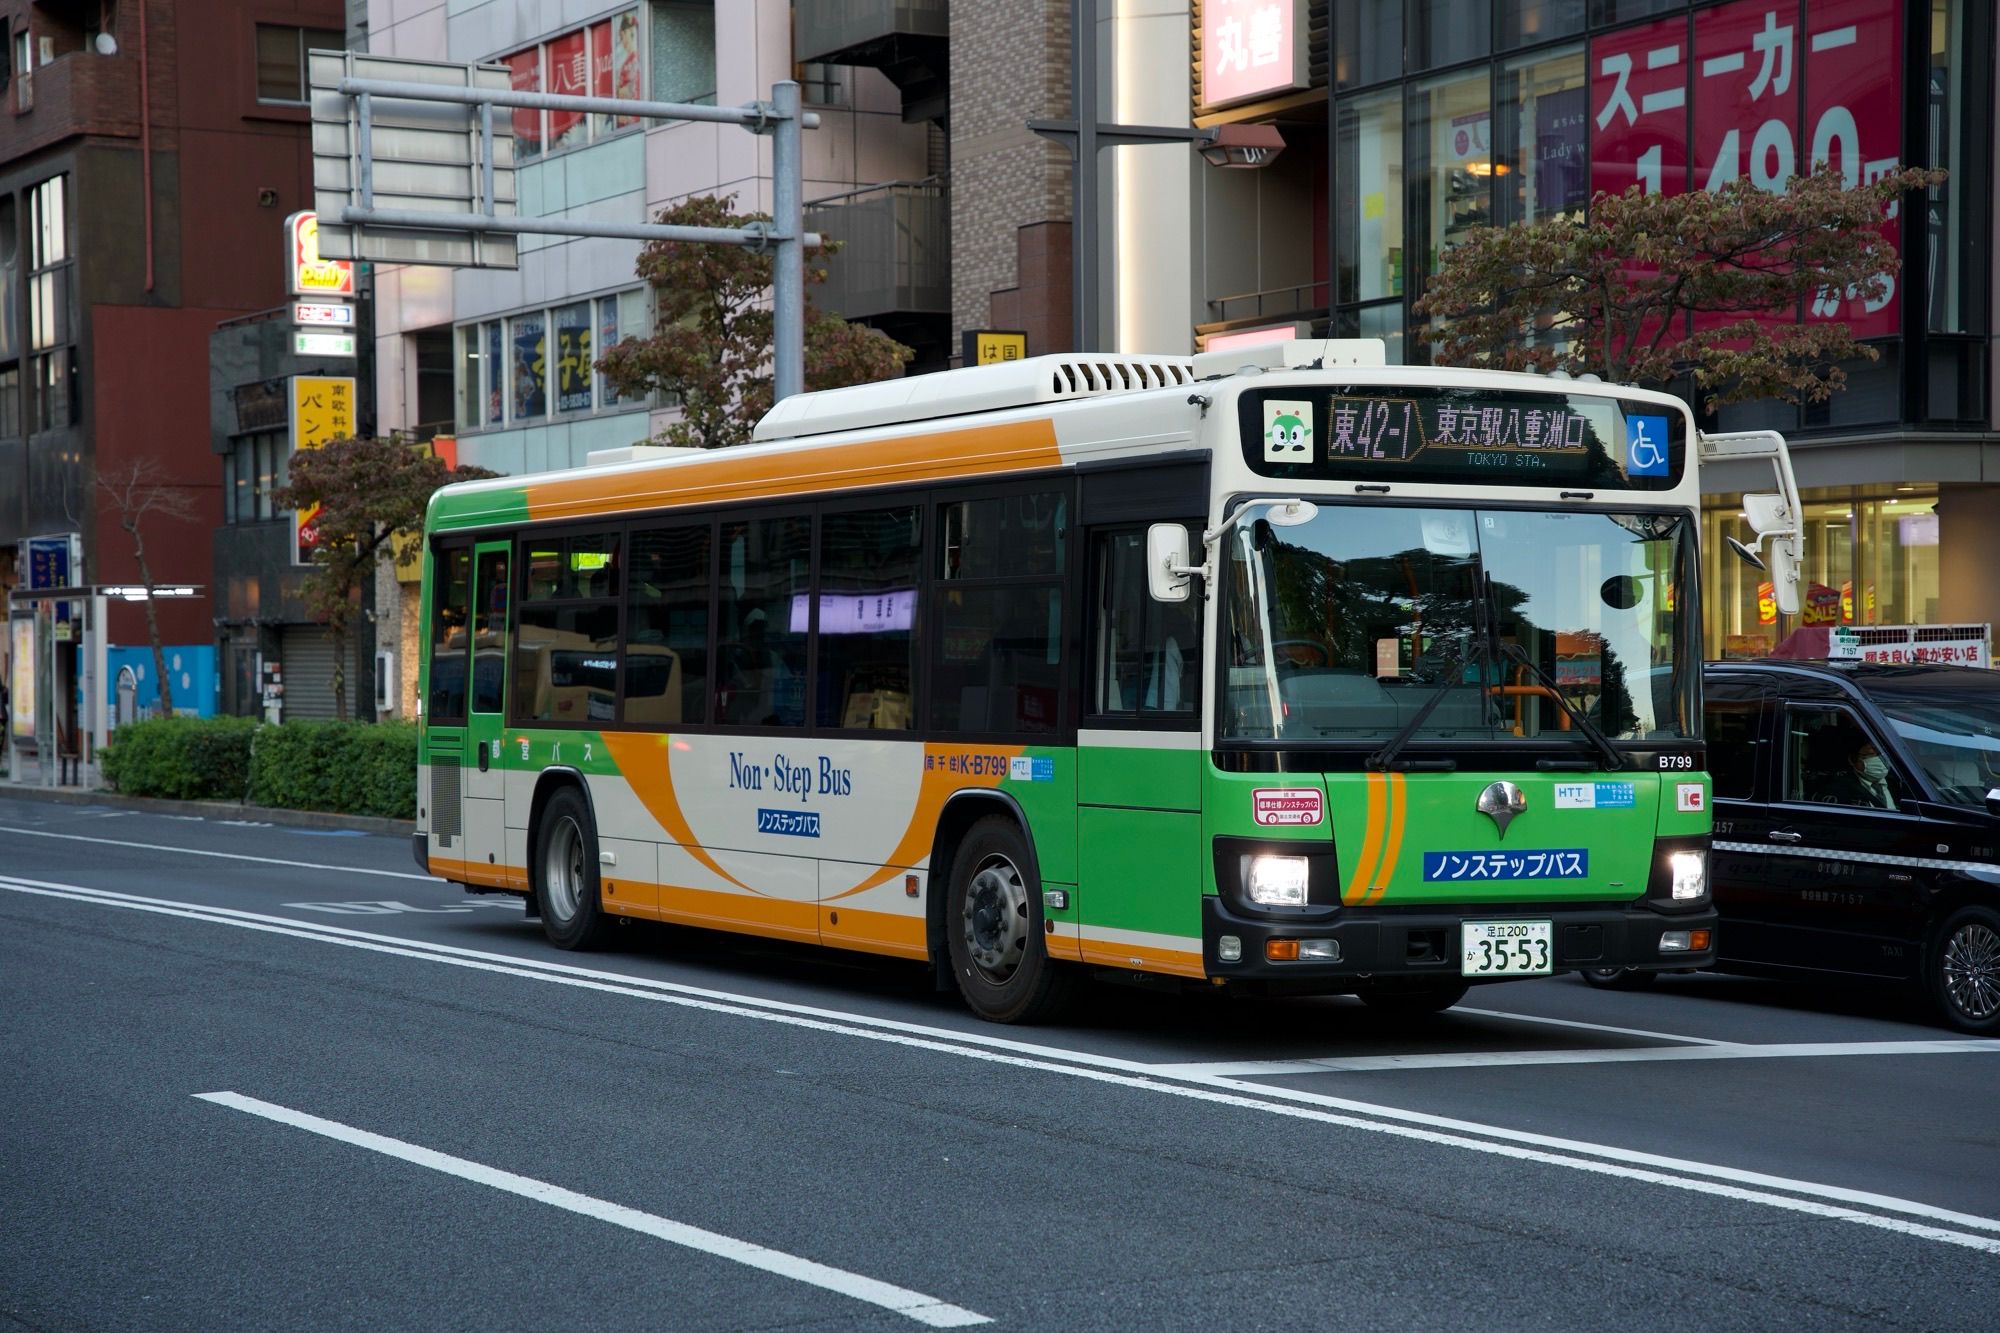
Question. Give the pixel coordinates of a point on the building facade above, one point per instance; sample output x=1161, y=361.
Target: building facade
x=149, y=151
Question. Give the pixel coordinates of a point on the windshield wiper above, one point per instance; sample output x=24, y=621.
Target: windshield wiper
x=1475, y=654
x=1614, y=758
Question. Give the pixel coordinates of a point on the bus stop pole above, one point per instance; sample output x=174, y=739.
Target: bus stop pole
x=788, y=282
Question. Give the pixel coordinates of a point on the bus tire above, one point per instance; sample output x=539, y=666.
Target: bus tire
x=994, y=933
x=564, y=873
x=1431, y=996
x=1962, y=971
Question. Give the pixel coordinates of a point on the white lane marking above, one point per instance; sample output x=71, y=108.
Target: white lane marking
x=1361, y=1064
x=226, y=856
x=1395, y=1121
x=1590, y=1027
x=911, y=1304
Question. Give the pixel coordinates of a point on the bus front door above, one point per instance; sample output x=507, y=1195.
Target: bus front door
x=485, y=795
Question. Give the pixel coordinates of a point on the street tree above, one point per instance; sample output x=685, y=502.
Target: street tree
x=367, y=495
x=713, y=346
x=138, y=493
x=1653, y=287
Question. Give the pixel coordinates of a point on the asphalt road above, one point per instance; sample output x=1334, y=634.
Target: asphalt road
x=261, y=1077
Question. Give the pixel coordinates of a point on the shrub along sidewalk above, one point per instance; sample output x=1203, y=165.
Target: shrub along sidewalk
x=356, y=768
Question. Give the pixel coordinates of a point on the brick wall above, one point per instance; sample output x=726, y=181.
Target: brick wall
x=1009, y=65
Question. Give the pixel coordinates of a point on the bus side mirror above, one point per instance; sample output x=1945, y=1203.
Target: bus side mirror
x=1167, y=570
x=1771, y=517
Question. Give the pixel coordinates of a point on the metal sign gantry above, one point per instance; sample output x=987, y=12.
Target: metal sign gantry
x=451, y=169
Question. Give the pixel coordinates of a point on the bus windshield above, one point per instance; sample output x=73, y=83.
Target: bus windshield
x=1343, y=628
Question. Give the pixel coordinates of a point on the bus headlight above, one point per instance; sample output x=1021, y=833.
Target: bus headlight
x=1277, y=881
x=1690, y=872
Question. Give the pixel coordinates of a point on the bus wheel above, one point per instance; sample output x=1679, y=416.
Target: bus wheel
x=1619, y=978
x=564, y=873
x=1962, y=970
x=1424, y=997
x=993, y=930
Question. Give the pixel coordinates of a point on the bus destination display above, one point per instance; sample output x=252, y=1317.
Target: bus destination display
x=1462, y=436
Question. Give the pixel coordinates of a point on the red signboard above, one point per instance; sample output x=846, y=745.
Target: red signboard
x=569, y=76
x=1854, y=90
x=1638, y=109
x=1251, y=48
x=525, y=69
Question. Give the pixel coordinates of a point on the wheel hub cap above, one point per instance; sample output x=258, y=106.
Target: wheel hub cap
x=996, y=918
x=1972, y=971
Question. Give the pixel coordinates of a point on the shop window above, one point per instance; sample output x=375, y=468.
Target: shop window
x=281, y=59
x=867, y=617
x=1603, y=13
x=1451, y=162
x=1542, y=168
x=1527, y=22
x=527, y=337
x=1445, y=32
x=571, y=371
x=1367, y=42
x=1368, y=196
x=1959, y=87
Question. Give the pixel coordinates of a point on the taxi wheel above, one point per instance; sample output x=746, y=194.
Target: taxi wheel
x=1962, y=970
x=563, y=869
x=1619, y=978
x=1424, y=997
x=994, y=933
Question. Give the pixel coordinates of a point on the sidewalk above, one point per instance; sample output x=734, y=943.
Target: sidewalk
x=217, y=810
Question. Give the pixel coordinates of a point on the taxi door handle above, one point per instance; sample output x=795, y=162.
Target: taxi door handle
x=1777, y=835
x=485, y=758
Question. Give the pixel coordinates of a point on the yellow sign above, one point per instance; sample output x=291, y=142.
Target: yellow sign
x=322, y=410
x=309, y=274
x=991, y=346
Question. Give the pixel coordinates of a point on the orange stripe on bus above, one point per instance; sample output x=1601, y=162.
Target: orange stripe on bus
x=1371, y=843
x=802, y=470
x=642, y=761
x=1111, y=953
x=874, y=932
x=1398, y=803
x=779, y=918
x=496, y=876
x=938, y=786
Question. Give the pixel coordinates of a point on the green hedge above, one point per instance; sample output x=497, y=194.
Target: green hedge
x=355, y=768
x=182, y=758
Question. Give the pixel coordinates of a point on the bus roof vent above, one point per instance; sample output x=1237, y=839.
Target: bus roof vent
x=1024, y=383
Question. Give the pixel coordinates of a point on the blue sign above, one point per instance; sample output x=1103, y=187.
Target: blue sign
x=1547, y=863
x=48, y=562
x=792, y=823
x=1645, y=446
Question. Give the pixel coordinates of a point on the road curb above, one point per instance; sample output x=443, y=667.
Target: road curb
x=263, y=814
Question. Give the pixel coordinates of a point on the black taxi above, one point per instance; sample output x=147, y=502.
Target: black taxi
x=1857, y=826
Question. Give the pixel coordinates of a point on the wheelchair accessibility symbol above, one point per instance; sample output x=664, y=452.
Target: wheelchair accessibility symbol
x=1645, y=446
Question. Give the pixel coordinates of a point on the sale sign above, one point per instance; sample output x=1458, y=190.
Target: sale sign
x=1854, y=92
x=1638, y=103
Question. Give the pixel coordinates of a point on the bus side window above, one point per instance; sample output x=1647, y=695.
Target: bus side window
x=666, y=627
x=868, y=565
x=760, y=667
x=566, y=652
x=999, y=666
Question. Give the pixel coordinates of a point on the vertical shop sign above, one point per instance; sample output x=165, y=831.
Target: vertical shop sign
x=1638, y=102
x=1854, y=91
x=322, y=410
x=1562, y=169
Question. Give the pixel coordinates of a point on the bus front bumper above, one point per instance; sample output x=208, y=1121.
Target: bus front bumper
x=1408, y=943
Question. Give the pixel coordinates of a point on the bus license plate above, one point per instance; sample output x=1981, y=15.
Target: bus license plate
x=1506, y=948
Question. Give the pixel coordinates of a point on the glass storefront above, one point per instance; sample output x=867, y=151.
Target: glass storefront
x=1871, y=558
x=1451, y=116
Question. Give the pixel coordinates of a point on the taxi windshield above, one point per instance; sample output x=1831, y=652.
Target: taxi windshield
x=1949, y=721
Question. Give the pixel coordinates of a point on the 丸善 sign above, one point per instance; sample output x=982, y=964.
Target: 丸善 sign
x=1251, y=48
x=322, y=410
